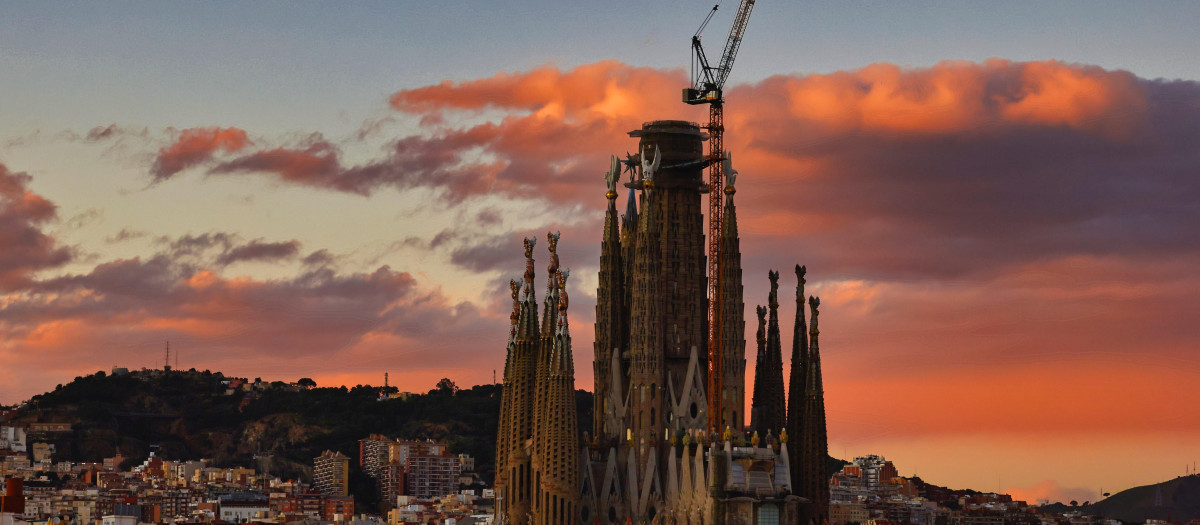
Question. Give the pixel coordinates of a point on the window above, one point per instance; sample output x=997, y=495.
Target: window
x=768, y=515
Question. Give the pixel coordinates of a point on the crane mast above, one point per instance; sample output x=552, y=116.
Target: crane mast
x=707, y=82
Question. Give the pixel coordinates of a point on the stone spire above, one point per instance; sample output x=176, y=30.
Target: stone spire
x=556, y=477
x=814, y=442
x=544, y=357
x=768, y=400
x=504, y=434
x=612, y=314
x=519, y=394
x=630, y=219
x=760, y=357
x=629, y=228
x=550, y=308
x=797, y=381
x=733, y=322
x=646, y=369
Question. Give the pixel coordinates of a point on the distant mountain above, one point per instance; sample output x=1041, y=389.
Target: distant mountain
x=1177, y=500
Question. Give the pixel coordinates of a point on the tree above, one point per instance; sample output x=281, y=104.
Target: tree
x=1074, y=503
x=445, y=387
x=306, y=382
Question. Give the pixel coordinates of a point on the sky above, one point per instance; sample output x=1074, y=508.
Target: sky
x=996, y=203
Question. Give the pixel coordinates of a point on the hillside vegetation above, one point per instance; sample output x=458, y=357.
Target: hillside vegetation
x=1177, y=500
x=274, y=427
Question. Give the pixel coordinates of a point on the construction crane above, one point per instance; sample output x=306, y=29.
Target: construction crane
x=707, y=82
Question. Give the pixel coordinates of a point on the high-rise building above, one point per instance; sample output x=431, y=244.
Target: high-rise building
x=331, y=473
x=392, y=483
x=373, y=454
x=651, y=457
x=389, y=462
x=430, y=477
x=875, y=470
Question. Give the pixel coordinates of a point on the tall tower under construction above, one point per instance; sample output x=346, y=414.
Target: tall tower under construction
x=652, y=456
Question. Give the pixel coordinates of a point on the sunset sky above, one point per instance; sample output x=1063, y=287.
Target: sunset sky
x=997, y=202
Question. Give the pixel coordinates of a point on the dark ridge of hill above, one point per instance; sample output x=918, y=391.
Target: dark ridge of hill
x=1176, y=500
x=945, y=496
x=274, y=427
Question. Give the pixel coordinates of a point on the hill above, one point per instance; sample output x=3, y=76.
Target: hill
x=1176, y=500
x=275, y=427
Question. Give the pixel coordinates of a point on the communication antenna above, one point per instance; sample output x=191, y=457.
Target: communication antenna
x=167, y=358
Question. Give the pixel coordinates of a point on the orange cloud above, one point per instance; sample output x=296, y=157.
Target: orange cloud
x=608, y=89
x=554, y=127
x=540, y=133
x=194, y=146
x=951, y=97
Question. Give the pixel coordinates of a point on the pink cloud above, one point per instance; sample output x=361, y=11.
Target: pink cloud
x=194, y=146
x=24, y=248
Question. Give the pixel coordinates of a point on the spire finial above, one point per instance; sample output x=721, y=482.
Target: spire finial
x=516, y=289
x=730, y=173
x=562, y=293
x=761, y=336
x=612, y=176
x=774, y=297
x=800, y=271
x=631, y=165
x=515, y=316
x=528, y=284
x=552, y=238
x=813, y=303
x=650, y=167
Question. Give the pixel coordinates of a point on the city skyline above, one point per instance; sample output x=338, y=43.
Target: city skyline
x=1001, y=226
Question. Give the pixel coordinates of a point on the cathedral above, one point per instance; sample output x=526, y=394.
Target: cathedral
x=651, y=456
